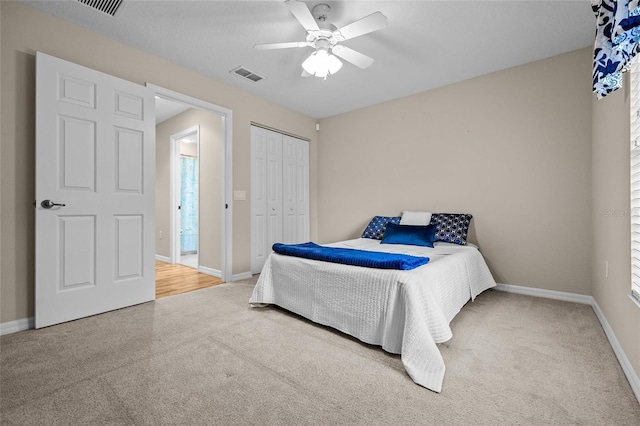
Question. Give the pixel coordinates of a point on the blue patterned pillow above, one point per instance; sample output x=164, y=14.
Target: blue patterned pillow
x=451, y=227
x=376, y=227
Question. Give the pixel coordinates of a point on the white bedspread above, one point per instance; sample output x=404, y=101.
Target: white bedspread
x=405, y=312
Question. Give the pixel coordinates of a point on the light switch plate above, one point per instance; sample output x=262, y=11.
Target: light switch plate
x=240, y=195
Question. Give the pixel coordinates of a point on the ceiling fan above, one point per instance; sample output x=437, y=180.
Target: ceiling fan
x=326, y=40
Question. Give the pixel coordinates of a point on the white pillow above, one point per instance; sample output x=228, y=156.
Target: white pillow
x=415, y=218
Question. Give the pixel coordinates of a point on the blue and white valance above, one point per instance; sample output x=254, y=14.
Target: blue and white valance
x=616, y=43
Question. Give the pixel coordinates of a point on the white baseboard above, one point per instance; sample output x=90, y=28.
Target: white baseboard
x=548, y=294
x=627, y=368
x=241, y=276
x=210, y=271
x=634, y=381
x=163, y=258
x=17, y=325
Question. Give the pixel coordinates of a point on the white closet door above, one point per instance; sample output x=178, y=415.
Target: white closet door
x=302, y=191
x=259, y=246
x=295, y=183
x=279, y=192
x=274, y=189
x=290, y=189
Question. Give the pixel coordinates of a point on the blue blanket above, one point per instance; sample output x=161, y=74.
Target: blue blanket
x=368, y=259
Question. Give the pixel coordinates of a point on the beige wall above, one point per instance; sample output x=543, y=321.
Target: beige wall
x=20, y=41
x=612, y=222
x=513, y=148
x=210, y=174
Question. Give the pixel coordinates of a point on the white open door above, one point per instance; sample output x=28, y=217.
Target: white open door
x=95, y=189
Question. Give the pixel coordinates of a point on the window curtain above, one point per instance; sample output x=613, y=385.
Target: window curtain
x=616, y=43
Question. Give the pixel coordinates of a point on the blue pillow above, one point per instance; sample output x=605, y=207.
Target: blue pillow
x=376, y=227
x=413, y=235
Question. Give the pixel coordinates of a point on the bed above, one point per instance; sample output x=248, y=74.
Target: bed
x=406, y=312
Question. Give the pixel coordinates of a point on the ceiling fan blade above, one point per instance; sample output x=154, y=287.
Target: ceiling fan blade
x=374, y=22
x=356, y=58
x=269, y=46
x=302, y=14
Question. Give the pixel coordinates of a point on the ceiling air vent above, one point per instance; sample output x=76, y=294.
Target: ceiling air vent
x=110, y=7
x=245, y=73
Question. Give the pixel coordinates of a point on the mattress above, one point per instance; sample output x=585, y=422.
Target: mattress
x=404, y=312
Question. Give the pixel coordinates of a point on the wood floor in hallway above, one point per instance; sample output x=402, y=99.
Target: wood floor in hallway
x=172, y=279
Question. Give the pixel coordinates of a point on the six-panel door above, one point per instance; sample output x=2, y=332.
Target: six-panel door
x=95, y=154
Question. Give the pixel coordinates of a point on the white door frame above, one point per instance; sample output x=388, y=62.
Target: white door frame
x=174, y=197
x=226, y=229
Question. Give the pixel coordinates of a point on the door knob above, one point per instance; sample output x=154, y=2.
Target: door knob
x=47, y=204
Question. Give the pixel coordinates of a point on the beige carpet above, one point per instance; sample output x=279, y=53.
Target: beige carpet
x=206, y=357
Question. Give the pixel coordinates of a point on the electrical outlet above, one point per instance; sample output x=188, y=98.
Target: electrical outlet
x=160, y=234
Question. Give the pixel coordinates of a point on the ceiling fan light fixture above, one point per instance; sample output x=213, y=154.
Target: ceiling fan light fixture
x=325, y=38
x=321, y=63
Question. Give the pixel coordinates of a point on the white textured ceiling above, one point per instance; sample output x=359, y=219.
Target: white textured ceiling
x=427, y=44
